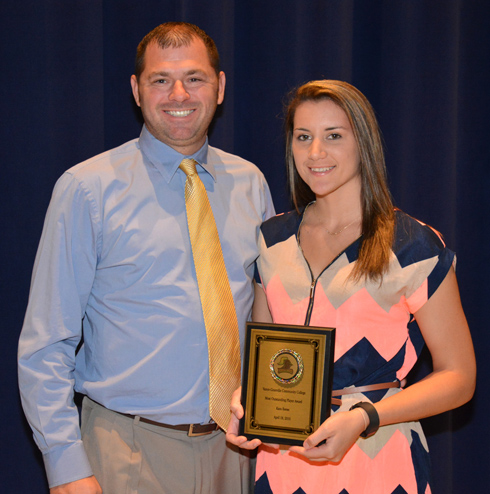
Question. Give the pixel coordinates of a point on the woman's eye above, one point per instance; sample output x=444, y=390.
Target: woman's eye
x=334, y=136
x=303, y=137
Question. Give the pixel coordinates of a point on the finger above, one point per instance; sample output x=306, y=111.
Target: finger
x=315, y=439
x=253, y=444
x=233, y=424
x=307, y=453
x=234, y=439
x=237, y=411
x=236, y=406
x=243, y=442
x=236, y=396
x=314, y=454
x=298, y=449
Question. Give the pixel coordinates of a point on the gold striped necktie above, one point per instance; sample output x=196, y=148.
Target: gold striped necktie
x=216, y=298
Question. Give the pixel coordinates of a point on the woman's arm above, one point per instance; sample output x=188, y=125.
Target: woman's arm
x=232, y=430
x=450, y=384
x=260, y=313
x=452, y=381
x=260, y=308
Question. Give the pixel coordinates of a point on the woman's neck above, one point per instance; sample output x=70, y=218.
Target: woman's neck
x=335, y=214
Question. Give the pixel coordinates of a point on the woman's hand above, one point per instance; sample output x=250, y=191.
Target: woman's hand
x=340, y=432
x=236, y=415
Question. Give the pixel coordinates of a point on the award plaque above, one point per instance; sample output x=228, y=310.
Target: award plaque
x=287, y=381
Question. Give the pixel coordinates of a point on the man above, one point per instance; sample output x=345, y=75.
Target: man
x=116, y=254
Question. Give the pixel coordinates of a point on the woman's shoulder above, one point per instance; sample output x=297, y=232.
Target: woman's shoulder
x=422, y=248
x=415, y=238
x=280, y=227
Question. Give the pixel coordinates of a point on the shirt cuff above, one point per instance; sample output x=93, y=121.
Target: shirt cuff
x=67, y=464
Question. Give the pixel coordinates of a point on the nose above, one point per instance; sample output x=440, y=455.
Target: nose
x=178, y=92
x=317, y=150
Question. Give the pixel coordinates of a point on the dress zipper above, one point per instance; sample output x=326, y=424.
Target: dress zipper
x=312, y=298
x=314, y=280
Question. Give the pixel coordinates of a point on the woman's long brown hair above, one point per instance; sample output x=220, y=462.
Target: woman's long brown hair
x=376, y=203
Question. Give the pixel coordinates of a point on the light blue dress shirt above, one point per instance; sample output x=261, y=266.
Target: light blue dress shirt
x=115, y=253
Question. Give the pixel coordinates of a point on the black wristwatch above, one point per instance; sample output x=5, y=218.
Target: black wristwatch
x=373, y=426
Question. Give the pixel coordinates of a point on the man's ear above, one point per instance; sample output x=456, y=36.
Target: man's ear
x=134, y=86
x=221, y=87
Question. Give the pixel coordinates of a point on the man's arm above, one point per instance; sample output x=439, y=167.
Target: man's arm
x=62, y=278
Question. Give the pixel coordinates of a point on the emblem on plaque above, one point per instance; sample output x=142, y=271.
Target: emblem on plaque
x=286, y=366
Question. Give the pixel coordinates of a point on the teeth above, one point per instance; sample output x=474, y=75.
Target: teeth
x=179, y=113
x=322, y=170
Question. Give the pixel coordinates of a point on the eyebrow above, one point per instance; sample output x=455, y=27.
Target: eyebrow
x=327, y=129
x=166, y=73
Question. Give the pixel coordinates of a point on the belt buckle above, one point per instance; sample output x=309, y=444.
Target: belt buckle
x=191, y=432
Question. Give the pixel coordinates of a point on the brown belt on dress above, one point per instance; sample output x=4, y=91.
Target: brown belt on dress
x=361, y=389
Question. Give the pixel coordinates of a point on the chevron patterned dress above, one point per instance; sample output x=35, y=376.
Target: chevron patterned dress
x=377, y=341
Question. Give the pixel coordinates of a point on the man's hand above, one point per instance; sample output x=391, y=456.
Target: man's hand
x=88, y=485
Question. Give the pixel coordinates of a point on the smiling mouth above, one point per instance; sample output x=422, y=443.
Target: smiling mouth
x=179, y=113
x=323, y=169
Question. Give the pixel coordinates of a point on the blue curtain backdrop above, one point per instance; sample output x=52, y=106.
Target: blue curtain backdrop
x=425, y=66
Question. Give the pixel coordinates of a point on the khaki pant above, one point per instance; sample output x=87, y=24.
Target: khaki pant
x=132, y=457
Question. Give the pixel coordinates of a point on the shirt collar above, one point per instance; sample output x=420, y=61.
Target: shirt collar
x=167, y=159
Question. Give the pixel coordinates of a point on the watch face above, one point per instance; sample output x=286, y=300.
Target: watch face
x=286, y=366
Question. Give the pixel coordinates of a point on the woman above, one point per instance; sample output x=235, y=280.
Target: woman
x=345, y=258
